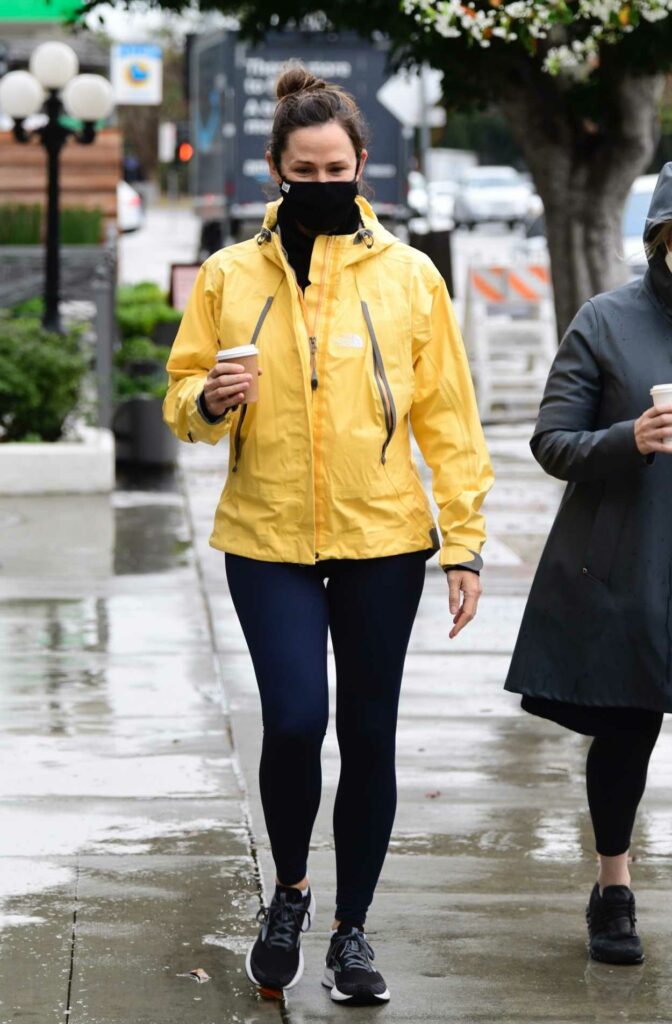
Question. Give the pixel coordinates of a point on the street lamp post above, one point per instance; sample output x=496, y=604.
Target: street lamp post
x=53, y=85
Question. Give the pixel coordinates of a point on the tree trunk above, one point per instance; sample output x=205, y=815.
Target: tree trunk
x=583, y=173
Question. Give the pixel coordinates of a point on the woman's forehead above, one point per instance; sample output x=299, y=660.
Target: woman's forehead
x=323, y=142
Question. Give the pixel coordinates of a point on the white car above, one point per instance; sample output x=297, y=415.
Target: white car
x=492, y=194
x=130, y=214
x=441, y=204
x=634, y=218
x=416, y=196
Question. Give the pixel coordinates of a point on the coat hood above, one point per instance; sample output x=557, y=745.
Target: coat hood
x=660, y=210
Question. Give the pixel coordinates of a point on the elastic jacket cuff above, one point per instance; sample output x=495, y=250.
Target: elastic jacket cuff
x=474, y=564
x=207, y=416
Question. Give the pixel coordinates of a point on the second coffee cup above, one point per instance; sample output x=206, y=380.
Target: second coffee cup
x=247, y=356
x=662, y=395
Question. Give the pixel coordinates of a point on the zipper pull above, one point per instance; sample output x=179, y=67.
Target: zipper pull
x=313, y=362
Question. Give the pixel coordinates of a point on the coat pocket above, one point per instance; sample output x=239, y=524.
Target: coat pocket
x=603, y=541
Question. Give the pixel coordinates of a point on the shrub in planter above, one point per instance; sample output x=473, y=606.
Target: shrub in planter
x=80, y=226
x=25, y=225
x=140, y=369
x=20, y=225
x=141, y=308
x=41, y=375
x=140, y=379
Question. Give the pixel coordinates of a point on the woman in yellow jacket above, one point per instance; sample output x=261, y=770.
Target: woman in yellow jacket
x=323, y=518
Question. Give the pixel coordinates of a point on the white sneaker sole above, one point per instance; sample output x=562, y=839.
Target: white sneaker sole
x=307, y=924
x=342, y=997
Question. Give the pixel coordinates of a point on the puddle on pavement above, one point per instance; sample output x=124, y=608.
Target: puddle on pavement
x=54, y=625
x=151, y=534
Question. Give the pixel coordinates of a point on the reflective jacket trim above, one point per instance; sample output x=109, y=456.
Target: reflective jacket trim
x=386, y=397
x=241, y=418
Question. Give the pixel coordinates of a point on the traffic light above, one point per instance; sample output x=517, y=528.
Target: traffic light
x=183, y=147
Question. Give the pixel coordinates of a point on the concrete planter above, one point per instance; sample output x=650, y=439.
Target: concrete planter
x=59, y=467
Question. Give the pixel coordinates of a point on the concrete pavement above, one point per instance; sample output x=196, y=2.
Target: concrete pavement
x=132, y=846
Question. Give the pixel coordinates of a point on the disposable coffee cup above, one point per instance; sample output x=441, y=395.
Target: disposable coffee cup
x=662, y=395
x=247, y=356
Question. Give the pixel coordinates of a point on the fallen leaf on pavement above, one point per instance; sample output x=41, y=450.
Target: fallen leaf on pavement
x=198, y=974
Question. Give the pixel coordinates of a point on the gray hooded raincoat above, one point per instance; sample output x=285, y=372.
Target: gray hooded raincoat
x=597, y=629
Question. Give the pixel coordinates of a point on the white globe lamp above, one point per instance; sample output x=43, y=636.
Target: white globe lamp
x=20, y=94
x=88, y=97
x=54, y=64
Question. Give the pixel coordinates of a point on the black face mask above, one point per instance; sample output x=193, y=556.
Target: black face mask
x=319, y=206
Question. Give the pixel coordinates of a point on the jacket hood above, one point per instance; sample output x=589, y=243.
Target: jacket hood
x=372, y=239
x=660, y=210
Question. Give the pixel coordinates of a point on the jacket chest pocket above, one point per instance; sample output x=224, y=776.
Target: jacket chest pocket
x=393, y=380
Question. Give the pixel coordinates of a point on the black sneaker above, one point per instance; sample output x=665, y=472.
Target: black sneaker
x=612, y=934
x=349, y=971
x=275, y=961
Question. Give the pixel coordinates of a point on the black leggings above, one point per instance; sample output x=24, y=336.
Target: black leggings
x=617, y=763
x=616, y=769
x=286, y=610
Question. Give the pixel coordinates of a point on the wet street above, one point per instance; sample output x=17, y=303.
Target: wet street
x=131, y=838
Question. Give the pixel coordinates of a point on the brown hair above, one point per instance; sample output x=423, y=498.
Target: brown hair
x=662, y=236
x=303, y=101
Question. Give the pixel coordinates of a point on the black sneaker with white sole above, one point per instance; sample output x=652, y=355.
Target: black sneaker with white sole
x=349, y=970
x=275, y=961
x=612, y=932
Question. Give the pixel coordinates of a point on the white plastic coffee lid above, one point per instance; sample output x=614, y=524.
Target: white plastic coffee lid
x=237, y=353
x=660, y=387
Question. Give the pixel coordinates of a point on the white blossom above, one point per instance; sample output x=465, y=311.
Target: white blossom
x=600, y=21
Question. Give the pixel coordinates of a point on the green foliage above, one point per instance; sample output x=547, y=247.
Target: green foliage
x=146, y=291
x=139, y=350
x=29, y=307
x=128, y=386
x=40, y=378
x=24, y=225
x=80, y=226
x=19, y=225
x=142, y=317
x=140, y=363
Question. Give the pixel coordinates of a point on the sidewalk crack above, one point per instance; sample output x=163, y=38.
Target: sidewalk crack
x=73, y=940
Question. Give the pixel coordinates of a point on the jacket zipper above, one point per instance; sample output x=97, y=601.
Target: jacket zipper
x=312, y=340
x=253, y=341
x=317, y=433
x=386, y=397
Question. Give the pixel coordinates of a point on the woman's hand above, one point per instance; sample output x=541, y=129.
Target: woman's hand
x=225, y=386
x=652, y=428
x=469, y=585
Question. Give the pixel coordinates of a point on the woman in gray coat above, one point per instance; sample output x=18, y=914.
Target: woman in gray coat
x=594, y=651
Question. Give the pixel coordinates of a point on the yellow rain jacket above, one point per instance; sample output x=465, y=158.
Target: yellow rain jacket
x=321, y=466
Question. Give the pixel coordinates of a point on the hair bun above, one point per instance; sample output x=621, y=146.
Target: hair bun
x=297, y=78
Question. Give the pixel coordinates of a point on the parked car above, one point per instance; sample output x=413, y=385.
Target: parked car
x=492, y=194
x=634, y=217
x=441, y=204
x=130, y=214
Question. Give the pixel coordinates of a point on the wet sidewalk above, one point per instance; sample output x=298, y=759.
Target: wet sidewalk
x=132, y=848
